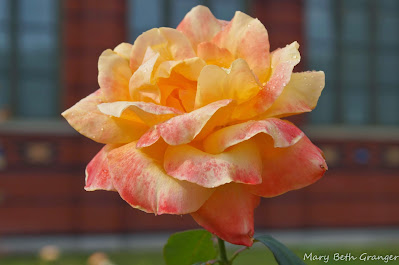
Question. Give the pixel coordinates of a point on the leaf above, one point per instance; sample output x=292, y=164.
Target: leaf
x=189, y=247
x=281, y=253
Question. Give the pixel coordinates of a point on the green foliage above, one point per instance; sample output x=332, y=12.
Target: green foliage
x=189, y=247
x=281, y=253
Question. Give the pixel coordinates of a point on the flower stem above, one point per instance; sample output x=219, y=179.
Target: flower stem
x=223, y=255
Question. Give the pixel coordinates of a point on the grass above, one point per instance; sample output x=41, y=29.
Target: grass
x=255, y=256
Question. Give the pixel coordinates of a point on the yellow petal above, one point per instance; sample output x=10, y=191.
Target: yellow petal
x=86, y=118
x=212, y=54
x=189, y=68
x=170, y=43
x=144, y=112
x=300, y=95
x=142, y=85
x=124, y=49
x=282, y=63
x=113, y=76
x=237, y=83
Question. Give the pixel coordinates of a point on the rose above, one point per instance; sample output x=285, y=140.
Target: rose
x=191, y=122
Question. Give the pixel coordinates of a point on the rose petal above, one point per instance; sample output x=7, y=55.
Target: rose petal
x=300, y=95
x=187, y=98
x=97, y=171
x=142, y=182
x=282, y=63
x=215, y=83
x=200, y=25
x=229, y=214
x=170, y=43
x=87, y=119
x=185, y=128
x=246, y=37
x=124, y=49
x=290, y=168
x=142, y=85
x=241, y=164
x=282, y=133
x=113, y=76
x=148, y=113
x=188, y=68
x=212, y=54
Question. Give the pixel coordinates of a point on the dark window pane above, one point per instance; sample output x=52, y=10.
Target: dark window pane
x=225, y=9
x=144, y=15
x=36, y=41
x=36, y=98
x=355, y=21
x=4, y=91
x=43, y=11
x=387, y=68
x=37, y=65
x=37, y=51
x=319, y=20
x=355, y=66
x=355, y=104
x=4, y=49
x=320, y=36
x=388, y=104
x=388, y=5
x=4, y=10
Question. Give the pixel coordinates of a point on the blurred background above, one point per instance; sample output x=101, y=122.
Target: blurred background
x=48, y=61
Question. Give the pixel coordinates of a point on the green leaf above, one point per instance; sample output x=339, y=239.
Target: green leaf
x=189, y=247
x=281, y=253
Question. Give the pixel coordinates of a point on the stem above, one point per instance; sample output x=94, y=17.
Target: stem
x=223, y=255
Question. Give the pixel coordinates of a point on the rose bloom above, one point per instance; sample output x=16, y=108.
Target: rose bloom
x=191, y=122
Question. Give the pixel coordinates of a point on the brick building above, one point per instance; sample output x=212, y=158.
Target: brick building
x=49, y=52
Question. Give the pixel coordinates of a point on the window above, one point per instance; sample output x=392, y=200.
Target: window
x=356, y=43
x=29, y=41
x=144, y=15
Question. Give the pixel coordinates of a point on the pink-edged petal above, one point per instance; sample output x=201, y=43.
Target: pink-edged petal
x=185, y=128
x=143, y=183
x=290, y=168
x=242, y=164
x=212, y=54
x=124, y=49
x=142, y=85
x=282, y=133
x=216, y=83
x=300, y=95
x=229, y=214
x=170, y=43
x=282, y=63
x=245, y=37
x=200, y=25
x=113, y=76
x=148, y=113
x=97, y=171
x=86, y=118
